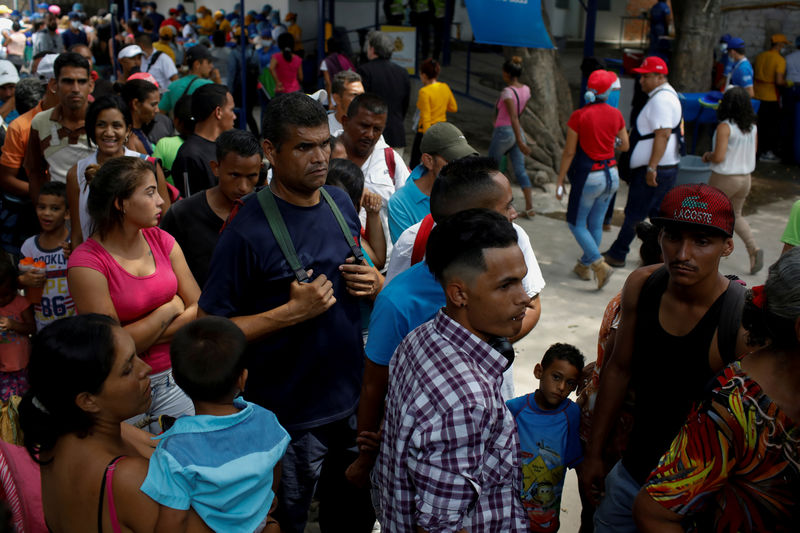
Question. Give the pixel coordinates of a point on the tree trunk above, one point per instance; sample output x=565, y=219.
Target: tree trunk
x=698, y=30
x=543, y=122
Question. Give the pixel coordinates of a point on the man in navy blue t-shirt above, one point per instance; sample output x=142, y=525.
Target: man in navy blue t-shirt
x=305, y=355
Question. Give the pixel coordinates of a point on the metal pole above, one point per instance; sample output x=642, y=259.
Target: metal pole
x=243, y=68
x=127, y=10
x=588, y=39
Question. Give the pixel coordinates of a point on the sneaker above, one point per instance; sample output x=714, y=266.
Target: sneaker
x=769, y=157
x=610, y=261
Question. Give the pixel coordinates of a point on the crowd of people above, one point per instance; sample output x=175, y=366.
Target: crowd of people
x=210, y=327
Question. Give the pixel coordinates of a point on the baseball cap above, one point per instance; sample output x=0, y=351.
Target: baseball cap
x=197, y=52
x=290, y=16
x=698, y=204
x=132, y=50
x=54, y=9
x=167, y=29
x=45, y=70
x=735, y=42
x=600, y=81
x=5, y=10
x=447, y=141
x=725, y=38
x=146, y=76
x=779, y=38
x=652, y=64
x=172, y=11
x=43, y=5
x=8, y=72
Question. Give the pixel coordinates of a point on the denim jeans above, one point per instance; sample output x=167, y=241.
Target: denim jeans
x=168, y=399
x=615, y=512
x=317, y=459
x=504, y=141
x=588, y=227
x=643, y=201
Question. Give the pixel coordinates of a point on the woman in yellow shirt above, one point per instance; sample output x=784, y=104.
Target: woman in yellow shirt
x=434, y=101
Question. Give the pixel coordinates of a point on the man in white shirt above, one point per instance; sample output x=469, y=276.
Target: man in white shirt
x=345, y=86
x=793, y=64
x=656, y=142
x=384, y=169
x=156, y=62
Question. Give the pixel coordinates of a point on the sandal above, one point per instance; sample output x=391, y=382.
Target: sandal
x=528, y=213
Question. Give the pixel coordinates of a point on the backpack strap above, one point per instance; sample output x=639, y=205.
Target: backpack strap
x=388, y=155
x=422, y=240
x=189, y=86
x=153, y=60
x=730, y=321
x=281, y=233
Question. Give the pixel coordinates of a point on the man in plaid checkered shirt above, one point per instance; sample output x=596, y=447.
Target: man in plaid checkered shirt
x=449, y=458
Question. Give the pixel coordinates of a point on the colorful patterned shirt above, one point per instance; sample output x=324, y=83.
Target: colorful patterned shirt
x=735, y=464
x=450, y=453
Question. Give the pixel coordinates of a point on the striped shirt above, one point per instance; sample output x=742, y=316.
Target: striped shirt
x=449, y=454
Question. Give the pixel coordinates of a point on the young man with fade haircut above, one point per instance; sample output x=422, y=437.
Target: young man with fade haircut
x=415, y=296
x=655, y=144
x=305, y=346
x=391, y=82
x=441, y=144
x=196, y=221
x=212, y=110
x=384, y=169
x=58, y=135
x=346, y=85
x=449, y=455
x=680, y=325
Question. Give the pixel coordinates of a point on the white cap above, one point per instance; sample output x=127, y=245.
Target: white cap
x=8, y=72
x=131, y=50
x=46, y=68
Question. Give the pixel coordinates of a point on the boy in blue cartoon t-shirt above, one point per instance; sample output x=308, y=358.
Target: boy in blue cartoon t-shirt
x=547, y=422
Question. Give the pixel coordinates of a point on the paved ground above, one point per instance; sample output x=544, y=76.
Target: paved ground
x=571, y=308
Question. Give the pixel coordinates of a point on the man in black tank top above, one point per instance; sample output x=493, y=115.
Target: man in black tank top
x=671, y=342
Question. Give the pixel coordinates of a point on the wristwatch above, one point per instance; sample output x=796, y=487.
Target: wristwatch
x=651, y=169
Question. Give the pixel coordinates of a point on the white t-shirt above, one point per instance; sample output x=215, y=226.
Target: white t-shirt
x=401, y=258
x=334, y=125
x=662, y=110
x=740, y=158
x=56, y=300
x=793, y=66
x=377, y=180
x=162, y=70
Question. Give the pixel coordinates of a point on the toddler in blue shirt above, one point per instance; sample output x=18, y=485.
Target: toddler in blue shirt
x=548, y=422
x=224, y=461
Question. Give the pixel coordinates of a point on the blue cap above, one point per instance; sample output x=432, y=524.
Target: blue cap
x=36, y=16
x=266, y=32
x=180, y=7
x=725, y=38
x=15, y=13
x=43, y=5
x=77, y=7
x=735, y=42
x=267, y=8
x=74, y=15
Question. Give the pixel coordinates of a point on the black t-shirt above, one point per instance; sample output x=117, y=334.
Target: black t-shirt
x=196, y=228
x=390, y=81
x=192, y=158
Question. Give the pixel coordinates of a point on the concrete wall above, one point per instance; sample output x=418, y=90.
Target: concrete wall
x=756, y=26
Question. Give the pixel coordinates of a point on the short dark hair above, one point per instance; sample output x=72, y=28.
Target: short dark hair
x=70, y=59
x=218, y=38
x=650, y=250
x=563, y=352
x=208, y=356
x=342, y=78
x=291, y=109
x=240, y=142
x=369, y=101
x=144, y=38
x=462, y=184
x=8, y=271
x=135, y=90
x=107, y=101
x=513, y=67
x=430, y=67
x=183, y=112
x=348, y=176
x=27, y=93
x=206, y=99
x=54, y=188
x=461, y=239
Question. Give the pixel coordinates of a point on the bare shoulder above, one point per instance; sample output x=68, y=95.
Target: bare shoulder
x=633, y=286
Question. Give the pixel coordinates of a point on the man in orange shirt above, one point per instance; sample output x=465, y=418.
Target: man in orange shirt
x=770, y=74
x=17, y=217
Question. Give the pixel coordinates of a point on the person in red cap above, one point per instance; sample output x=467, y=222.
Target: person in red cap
x=592, y=133
x=655, y=151
x=680, y=325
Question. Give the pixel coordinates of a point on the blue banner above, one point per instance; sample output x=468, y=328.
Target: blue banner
x=508, y=23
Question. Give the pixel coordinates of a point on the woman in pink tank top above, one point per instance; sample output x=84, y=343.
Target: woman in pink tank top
x=136, y=273
x=85, y=381
x=286, y=66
